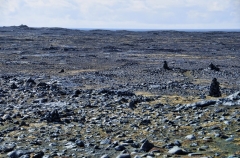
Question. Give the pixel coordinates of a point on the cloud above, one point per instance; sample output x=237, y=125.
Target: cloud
x=121, y=13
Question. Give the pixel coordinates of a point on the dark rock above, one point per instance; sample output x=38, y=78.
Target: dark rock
x=53, y=116
x=106, y=91
x=96, y=147
x=169, y=146
x=156, y=106
x=215, y=89
x=61, y=71
x=223, y=136
x=76, y=93
x=213, y=67
x=23, y=123
x=120, y=148
x=124, y=92
x=36, y=142
x=135, y=145
x=42, y=100
x=72, y=139
x=115, y=143
x=1, y=140
x=132, y=104
x=43, y=86
x=79, y=143
x=128, y=141
x=145, y=122
x=146, y=146
x=30, y=82
x=39, y=154
x=13, y=86
x=66, y=120
x=215, y=128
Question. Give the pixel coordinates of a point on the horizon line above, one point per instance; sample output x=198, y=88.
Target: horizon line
x=133, y=29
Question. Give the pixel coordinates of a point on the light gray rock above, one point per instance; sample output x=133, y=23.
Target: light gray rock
x=124, y=156
x=190, y=137
x=194, y=154
x=105, y=141
x=231, y=100
x=105, y=156
x=18, y=153
x=234, y=96
x=229, y=139
x=177, y=150
x=70, y=145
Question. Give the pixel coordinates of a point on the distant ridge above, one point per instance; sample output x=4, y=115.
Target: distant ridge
x=125, y=29
x=143, y=30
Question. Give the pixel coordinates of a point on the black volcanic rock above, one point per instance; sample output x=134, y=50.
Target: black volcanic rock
x=61, y=71
x=213, y=67
x=146, y=146
x=53, y=116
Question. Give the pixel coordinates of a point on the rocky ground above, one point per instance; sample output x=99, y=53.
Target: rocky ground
x=99, y=93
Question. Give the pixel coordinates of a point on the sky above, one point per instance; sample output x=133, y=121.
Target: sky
x=122, y=14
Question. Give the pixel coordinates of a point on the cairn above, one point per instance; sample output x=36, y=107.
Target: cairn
x=165, y=65
x=215, y=89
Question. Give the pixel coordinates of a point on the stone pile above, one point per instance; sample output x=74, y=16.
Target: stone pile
x=215, y=88
x=165, y=65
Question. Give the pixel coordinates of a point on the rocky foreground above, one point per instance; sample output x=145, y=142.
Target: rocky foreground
x=69, y=93
x=51, y=120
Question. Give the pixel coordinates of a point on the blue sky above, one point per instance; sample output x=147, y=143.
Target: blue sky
x=128, y=14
